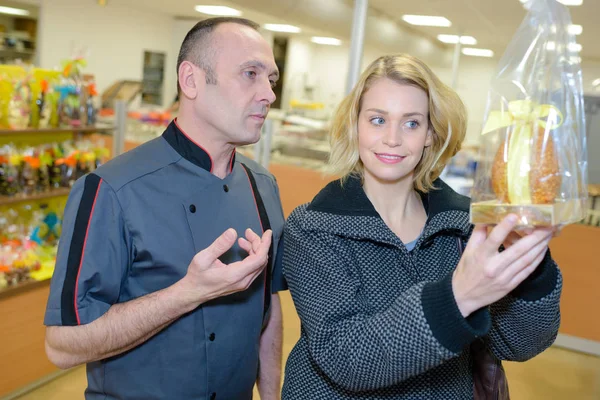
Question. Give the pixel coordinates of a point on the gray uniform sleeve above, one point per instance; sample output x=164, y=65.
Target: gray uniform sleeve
x=526, y=322
x=93, y=255
x=278, y=282
x=420, y=330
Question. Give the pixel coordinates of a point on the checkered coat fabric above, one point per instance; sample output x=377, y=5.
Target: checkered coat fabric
x=380, y=322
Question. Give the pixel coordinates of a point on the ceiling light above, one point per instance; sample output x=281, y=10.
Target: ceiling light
x=326, y=40
x=13, y=11
x=596, y=82
x=575, y=29
x=424, y=20
x=565, y=2
x=469, y=51
x=282, y=28
x=468, y=40
x=573, y=47
x=219, y=10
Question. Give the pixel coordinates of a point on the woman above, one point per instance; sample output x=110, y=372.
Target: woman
x=389, y=305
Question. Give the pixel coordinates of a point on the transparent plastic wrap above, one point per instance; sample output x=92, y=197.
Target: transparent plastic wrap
x=533, y=158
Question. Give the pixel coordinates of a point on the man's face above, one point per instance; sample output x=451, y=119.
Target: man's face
x=245, y=71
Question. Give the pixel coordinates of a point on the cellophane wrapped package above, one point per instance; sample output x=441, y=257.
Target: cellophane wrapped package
x=533, y=158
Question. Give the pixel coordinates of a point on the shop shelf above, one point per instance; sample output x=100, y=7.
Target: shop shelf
x=83, y=130
x=20, y=198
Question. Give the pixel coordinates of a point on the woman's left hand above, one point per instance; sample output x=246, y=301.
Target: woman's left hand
x=514, y=236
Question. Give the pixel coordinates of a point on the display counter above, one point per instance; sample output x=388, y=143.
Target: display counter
x=22, y=355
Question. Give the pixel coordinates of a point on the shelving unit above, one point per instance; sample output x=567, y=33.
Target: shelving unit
x=24, y=362
x=81, y=130
x=21, y=198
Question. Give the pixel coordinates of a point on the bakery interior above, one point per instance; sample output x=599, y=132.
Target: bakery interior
x=319, y=47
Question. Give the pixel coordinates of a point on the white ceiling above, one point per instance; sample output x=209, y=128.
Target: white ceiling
x=491, y=22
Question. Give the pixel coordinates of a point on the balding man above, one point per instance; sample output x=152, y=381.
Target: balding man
x=167, y=272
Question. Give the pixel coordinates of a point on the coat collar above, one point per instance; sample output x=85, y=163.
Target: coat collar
x=189, y=149
x=352, y=214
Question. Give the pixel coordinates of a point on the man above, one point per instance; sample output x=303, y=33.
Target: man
x=151, y=288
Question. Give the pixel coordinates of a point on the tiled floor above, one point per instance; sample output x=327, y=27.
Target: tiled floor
x=556, y=374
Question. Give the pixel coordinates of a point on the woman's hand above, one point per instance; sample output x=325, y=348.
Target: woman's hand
x=484, y=275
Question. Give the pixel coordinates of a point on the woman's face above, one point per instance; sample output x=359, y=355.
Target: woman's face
x=393, y=130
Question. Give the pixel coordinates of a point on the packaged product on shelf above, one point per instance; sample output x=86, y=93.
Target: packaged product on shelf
x=89, y=105
x=30, y=167
x=74, y=93
x=28, y=242
x=32, y=170
x=532, y=160
x=45, y=158
x=10, y=161
x=55, y=153
x=42, y=107
x=20, y=105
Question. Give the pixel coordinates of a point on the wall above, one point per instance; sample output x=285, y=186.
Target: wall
x=326, y=70
x=116, y=46
x=474, y=76
x=298, y=70
x=115, y=38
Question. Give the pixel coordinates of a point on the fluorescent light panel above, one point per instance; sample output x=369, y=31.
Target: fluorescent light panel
x=565, y=2
x=282, y=28
x=326, y=40
x=575, y=29
x=218, y=10
x=468, y=40
x=426, y=20
x=13, y=11
x=573, y=47
x=596, y=82
x=469, y=51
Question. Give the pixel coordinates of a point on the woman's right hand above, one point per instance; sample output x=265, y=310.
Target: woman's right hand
x=484, y=275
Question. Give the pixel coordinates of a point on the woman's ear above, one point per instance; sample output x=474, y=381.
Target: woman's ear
x=429, y=138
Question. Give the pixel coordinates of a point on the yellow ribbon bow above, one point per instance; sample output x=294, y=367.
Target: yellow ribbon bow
x=524, y=114
x=525, y=111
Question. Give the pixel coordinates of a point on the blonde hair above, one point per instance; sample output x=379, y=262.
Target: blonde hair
x=447, y=119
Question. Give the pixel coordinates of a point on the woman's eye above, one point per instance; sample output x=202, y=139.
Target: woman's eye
x=412, y=124
x=377, y=121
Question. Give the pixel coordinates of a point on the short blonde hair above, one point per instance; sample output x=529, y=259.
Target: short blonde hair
x=447, y=119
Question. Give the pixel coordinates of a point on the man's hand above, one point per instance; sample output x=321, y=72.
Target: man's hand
x=209, y=278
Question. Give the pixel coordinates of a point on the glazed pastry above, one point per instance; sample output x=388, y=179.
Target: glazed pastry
x=525, y=175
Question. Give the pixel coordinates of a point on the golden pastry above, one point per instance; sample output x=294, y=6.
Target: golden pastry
x=525, y=175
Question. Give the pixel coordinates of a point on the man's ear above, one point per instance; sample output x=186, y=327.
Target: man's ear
x=190, y=78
